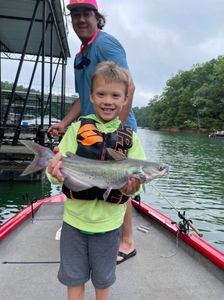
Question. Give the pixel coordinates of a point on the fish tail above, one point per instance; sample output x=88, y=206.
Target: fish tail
x=42, y=157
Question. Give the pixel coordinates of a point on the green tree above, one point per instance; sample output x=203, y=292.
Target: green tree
x=191, y=99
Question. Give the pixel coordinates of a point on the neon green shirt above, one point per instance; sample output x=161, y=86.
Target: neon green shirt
x=94, y=215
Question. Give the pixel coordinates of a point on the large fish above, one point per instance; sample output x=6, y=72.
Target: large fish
x=82, y=173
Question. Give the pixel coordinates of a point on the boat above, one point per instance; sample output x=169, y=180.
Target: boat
x=171, y=262
x=218, y=133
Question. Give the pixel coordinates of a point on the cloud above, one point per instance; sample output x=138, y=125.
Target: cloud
x=161, y=37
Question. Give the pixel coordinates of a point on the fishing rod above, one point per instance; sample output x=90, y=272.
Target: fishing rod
x=186, y=223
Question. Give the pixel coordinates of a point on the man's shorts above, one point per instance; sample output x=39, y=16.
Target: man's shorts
x=85, y=256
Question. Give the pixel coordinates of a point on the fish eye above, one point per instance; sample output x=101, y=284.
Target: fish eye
x=161, y=168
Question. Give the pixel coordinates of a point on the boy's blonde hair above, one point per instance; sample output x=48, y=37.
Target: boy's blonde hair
x=111, y=72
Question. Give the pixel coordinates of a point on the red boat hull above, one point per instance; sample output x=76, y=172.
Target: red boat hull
x=26, y=213
x=207, y=250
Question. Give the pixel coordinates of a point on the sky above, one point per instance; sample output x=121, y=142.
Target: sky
x=160, y=37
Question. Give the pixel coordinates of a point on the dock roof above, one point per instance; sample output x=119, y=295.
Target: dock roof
x=16, y=17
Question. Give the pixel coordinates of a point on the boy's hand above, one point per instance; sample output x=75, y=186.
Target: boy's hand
x=54, y=167
x=131, y=187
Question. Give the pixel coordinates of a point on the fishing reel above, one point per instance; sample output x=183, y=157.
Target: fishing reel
x=185, y=225
x=52, y=141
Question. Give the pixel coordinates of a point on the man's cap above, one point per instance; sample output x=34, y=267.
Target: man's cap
x=73, y=4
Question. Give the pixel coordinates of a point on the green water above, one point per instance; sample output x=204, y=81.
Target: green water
x=15, y=196
x=195, y=183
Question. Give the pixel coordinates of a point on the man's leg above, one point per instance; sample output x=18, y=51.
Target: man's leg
x=127, y=245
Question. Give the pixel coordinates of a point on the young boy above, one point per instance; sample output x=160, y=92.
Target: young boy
x=90, y=231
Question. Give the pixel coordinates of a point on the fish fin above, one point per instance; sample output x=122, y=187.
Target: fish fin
x=116, y=155
x=106, y=194
x=140, y=175
x=75, y=184
x=32, y=167
x=74, y=156
x=70, y=155
x=41, y=159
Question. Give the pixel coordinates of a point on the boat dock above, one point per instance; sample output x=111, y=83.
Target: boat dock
x=218, y=134
x=13, y=160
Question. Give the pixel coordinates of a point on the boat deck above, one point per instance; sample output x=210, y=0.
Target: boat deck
x=164, y=267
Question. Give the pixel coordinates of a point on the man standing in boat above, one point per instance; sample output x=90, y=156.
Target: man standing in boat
x=97, y=46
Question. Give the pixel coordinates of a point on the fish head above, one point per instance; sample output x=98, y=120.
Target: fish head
x=154, y=170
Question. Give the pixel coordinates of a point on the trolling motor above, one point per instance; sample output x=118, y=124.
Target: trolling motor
x=185, y=225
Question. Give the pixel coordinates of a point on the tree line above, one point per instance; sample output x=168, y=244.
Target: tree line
x=5, y=85
x=191, y=100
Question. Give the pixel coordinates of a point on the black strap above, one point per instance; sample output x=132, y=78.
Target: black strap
x=95, y=193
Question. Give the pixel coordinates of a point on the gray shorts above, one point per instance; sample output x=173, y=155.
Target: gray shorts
x=85, y=256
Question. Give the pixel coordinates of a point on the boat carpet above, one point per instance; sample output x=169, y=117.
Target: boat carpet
x=163, y=269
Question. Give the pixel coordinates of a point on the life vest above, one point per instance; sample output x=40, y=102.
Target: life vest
x=92, y=143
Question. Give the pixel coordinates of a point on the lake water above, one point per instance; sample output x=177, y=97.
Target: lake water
x=195, y=183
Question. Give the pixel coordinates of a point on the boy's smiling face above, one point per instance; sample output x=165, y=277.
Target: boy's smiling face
x=108, y=98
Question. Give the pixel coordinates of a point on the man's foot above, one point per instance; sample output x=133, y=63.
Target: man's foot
x=123, y=256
